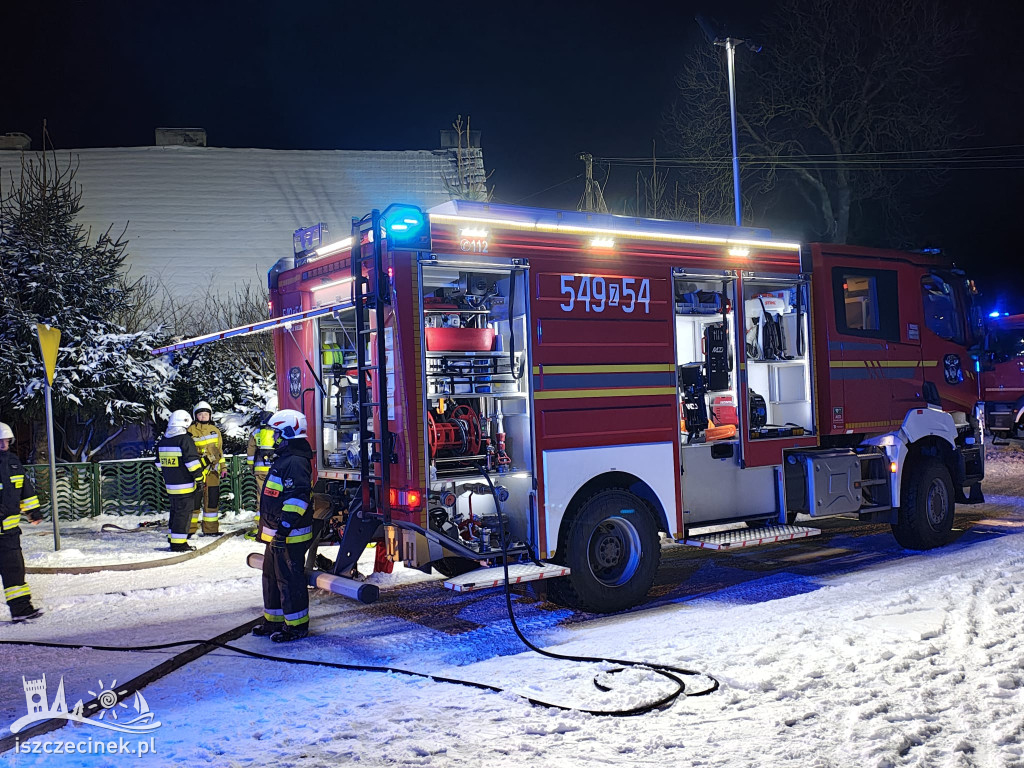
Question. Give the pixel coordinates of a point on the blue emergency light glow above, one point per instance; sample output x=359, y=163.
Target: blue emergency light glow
x=407, y=227
x=993, y=314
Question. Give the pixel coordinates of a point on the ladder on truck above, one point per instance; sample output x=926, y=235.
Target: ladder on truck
x=371, y=295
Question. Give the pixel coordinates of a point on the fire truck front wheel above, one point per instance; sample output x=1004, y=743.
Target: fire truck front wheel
x=926, y=506
x=612, y=550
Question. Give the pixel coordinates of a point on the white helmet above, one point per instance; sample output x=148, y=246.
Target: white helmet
x=6, y=433
x=202, y=405
x=179, y=420
x=289, y=422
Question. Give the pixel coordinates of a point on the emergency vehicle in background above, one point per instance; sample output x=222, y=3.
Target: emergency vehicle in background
x=1002, y=376
x=621, y=382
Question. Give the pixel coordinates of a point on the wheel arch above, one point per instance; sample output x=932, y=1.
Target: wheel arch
x=938, y=448
x=607, y=480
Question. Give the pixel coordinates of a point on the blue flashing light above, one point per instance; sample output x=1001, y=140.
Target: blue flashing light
x=407, y=228
x=993, y=314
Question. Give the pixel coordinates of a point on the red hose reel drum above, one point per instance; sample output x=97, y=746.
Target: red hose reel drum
x=459, y=433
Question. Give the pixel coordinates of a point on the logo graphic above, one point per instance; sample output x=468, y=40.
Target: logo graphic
x=108, y=702
x=294, y=382
x=952, y=369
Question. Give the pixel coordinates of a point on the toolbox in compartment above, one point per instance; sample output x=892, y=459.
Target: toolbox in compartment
x=460, y=339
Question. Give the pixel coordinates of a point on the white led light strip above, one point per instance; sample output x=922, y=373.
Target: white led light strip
x=344, y=280
x=625, y=233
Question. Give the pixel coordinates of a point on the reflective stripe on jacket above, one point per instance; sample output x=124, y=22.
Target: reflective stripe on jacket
x=17, y=496
x=180, y=463
x=209, y=443
x=286, y=495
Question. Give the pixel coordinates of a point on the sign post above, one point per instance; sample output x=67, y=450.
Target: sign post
x=49, y=343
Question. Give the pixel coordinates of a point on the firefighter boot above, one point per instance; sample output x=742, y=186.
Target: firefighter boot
x=211, y=525
x=25, y=612
x=290, y=633
x=266, y=628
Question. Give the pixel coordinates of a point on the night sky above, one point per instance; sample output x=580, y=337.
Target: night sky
x=542, y=81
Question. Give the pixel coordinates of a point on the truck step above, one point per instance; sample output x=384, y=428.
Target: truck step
x=750, y=537
x=486, y=578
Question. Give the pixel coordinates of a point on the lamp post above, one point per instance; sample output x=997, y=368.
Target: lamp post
x=730, y=43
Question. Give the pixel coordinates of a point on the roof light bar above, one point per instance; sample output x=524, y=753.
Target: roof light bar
x=625, y=233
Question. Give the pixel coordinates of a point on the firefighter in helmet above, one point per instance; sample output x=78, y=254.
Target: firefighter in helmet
x=182, y=466
x=259, y=455
x=17, y=497
x=210, y=444
x=286, y=526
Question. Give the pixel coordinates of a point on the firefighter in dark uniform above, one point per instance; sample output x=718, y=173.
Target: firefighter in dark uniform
x=181, y=466
x=286, y=525
x=17, y=497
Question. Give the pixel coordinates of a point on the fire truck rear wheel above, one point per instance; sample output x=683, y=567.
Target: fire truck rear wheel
x=926, y=506
x=612, y=549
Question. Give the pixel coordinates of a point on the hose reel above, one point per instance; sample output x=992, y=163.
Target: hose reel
x=457, y=434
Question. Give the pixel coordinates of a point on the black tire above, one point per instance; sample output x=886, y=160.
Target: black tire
x=927, y=503
x=454, y=566
x=612, y=550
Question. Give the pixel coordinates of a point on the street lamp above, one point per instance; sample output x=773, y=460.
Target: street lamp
x=730, y=43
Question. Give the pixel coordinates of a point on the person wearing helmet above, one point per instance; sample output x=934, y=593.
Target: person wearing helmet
x=286, y=525
x=181, y=466
x=210, y=444
x=259, y=455
x=17, y=497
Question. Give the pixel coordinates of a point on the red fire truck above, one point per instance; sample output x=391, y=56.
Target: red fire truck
x=1002, y=376
x=564, y=392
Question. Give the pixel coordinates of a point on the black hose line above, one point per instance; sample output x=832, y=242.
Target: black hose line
x=671, y=673
x=665, y=670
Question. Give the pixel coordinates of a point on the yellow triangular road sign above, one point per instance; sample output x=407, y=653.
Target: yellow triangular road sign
x=49, y=343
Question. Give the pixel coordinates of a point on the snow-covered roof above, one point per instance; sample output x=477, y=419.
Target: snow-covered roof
x=198, y=214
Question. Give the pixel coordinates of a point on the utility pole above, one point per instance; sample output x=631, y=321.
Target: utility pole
x=730, y=56
x=730, y=43
x=593, y=197
x=588, y=173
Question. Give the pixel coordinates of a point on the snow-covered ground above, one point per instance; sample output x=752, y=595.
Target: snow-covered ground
x=840, y=651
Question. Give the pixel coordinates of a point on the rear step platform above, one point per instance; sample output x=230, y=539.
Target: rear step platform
x=750, y=537
x=486, y=578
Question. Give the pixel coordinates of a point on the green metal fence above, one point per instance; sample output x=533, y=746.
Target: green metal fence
x=129, y=487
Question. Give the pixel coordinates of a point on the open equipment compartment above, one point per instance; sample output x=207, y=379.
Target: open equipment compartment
x=705, y=355
x=476, y=403
x=776, y=337
x=337, y=401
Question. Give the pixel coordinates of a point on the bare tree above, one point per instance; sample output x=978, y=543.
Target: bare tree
x=842, y=89
x=468, y=180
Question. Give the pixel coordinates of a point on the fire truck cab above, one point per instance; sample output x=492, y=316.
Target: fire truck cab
x=566, y=392
x=1002, y=376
